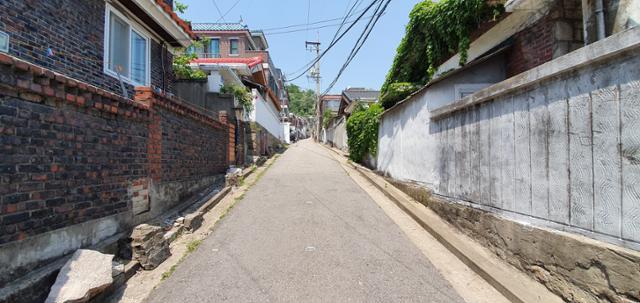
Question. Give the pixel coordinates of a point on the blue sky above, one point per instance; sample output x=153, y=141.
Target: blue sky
x=368, y=69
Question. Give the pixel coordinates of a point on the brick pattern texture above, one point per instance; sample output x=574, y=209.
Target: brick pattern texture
x=545, y=40
x=71, y=151
x=74, y=31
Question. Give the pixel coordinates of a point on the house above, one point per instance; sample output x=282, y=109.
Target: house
x=530, y=141
x=348, y=101
x=233, y=54
x=355, y=96
x=93, y=141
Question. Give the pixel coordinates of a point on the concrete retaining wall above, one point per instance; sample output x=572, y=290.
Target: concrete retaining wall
x=557, y=143
x=337, y=134
x=576, y=268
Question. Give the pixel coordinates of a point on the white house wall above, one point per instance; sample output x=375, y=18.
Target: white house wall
x=266, y=114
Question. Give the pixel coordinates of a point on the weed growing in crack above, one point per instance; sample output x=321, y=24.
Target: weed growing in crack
x=168, y=273
x=193, y=245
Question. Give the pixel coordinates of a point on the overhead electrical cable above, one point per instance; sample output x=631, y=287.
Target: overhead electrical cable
x=218, y=9
x=357, y=47
x=310, y=64
x=228, y=11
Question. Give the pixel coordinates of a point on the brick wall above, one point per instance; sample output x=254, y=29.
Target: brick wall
x=74, y=31
x=72, y=152
x=556, y=34
x=190, y=149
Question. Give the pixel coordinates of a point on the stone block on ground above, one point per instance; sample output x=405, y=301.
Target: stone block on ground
x=148, y=246
x=85, y=275
x=193, y=221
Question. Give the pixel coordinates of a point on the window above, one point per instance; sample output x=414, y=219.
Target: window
x=214, y=48
x=4, y=42
x=126, y=50
x=233, y=47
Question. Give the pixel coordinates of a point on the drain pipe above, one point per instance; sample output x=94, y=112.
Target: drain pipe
x=600, y=20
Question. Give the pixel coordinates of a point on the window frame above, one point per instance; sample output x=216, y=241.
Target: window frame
x=219, y=44
x=133, y=27
x=238, y=48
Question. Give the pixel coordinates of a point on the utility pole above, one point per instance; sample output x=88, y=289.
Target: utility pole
x=315, y=75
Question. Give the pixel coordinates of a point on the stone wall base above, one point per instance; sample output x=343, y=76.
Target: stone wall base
x=576, y=268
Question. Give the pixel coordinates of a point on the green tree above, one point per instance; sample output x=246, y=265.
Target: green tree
x=301, y=102
x=179, y=7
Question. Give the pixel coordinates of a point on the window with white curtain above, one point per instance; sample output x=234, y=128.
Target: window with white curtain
x=126, y=50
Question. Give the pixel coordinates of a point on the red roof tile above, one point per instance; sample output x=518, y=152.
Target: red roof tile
x=251, y=62
x=169, y=10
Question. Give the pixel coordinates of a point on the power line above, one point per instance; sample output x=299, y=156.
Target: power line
x=317, y=27
x=346, y=16
x=305, y=24
x=363, y=37
x=218, y=9
x=227, y=12
x=310, y=64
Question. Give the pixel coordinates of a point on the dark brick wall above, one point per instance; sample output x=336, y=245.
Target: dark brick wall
x=74, y=30
x=60, y=166
x=190, y=149
x=71, y=152
x=556, y=34
x=531, y=47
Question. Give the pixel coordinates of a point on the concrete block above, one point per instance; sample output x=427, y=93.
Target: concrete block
x=84, y=276
x=562, y=31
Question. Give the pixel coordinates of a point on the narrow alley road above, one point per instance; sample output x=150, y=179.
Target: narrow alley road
x=306, y=232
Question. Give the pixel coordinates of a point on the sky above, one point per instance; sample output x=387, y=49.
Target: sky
x=287, y=50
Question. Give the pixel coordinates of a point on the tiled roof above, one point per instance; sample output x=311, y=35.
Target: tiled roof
x=251, y=62
x=169, y=10
x=361, y=94
x=218, y=27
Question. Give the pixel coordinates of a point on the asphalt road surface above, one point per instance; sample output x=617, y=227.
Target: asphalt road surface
x=305, y=232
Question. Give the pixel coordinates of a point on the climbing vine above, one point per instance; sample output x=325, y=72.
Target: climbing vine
x=242, y=94
x=435, y=32
x=362, y=132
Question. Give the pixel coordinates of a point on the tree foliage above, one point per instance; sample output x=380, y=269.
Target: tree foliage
x=301, y=102
x=435, y=32
x=362, y=131
x=182, y=70
x=180, y=7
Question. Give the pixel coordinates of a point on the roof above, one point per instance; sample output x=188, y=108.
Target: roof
x=251, y=62
x=169, y=10
x=219, y=27
x=361, y=94
x=330, y=97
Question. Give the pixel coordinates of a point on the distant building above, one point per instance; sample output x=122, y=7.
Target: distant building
x=232, y=54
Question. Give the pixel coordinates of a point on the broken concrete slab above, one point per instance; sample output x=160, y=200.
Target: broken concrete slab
x=86, y=274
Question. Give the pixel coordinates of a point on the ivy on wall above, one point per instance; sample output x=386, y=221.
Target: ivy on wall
x=242, y=94
x=362, y=131
x=435, y=32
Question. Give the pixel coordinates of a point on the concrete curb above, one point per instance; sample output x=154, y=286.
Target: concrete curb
x=510, y=282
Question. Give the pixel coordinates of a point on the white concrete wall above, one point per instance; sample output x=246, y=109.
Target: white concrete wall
x=266, y=114
x=286, y=131
x=563, y=149
x=337, y=134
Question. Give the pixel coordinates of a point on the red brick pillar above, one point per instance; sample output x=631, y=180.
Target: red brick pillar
x=231, y=146
x=154, y=144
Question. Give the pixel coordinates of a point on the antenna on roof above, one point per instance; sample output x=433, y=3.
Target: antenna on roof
x=241, y=21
